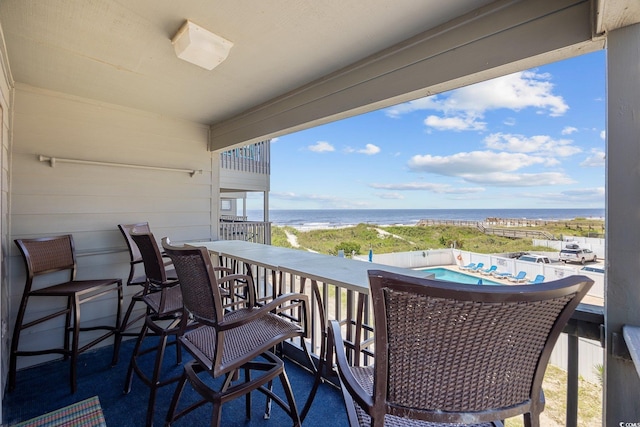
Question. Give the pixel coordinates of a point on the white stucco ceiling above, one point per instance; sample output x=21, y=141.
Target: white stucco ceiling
x=120, y=51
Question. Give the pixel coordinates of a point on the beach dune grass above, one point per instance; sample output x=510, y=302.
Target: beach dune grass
x=389, y=239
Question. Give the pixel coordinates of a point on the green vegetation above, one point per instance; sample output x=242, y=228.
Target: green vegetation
x=348, y=248
x=279, y=236
x=555, y=392
x=399, y=239
x=387, y=239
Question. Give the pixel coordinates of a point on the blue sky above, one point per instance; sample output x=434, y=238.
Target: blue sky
x=533, y=139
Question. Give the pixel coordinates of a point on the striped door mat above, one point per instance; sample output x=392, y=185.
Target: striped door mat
x=87, y=413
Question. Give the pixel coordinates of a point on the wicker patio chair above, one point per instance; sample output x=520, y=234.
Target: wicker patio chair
x=48, y=256
x=226, y=343
x=163, y=300
x=137, y=276
x=454, y=353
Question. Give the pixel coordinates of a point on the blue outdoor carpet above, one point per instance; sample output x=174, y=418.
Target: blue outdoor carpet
x=45, y=388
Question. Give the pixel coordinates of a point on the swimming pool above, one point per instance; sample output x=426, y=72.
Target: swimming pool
x=454, y=276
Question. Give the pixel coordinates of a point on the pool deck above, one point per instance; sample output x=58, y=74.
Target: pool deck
x=588, y=299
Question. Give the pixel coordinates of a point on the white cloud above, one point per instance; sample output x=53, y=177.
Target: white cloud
x=568, y=130
x=321, y=147
x=467, y=105
x=295, y=196
x=501, y=179
x=454, y=123
x=428, y=103
x=490, y=168
x=585, y=192
x=464, y=190
x=411, y=186
x=516, y=91
x=579, y=197
x=474, y=162
x=543, y=145
x=596, y=159
x=323, y=200
x=427, y=186
x=603, y=135
x=391, y=196
x=509, y=121
x=370, y=149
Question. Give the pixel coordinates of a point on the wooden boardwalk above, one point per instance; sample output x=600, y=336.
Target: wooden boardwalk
x=487, y=227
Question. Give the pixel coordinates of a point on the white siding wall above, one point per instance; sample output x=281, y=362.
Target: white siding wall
x=232, y=179
x=5, y=143
x=88, y=201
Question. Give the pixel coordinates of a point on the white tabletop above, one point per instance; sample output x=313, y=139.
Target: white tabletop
x=253, y=253
x=344, y=272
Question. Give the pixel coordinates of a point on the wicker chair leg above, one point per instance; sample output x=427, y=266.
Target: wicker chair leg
x=171, y=413
x=75, y=343
x=322, y=364
x=267, y=407
x=247, y=397
x=531, y=420
x=117, y=340
x=216, y=414
x=67, y=328
x=126, y=323
x=136, y=349
x=293, y=409
x=155, y=379
x=13, y=357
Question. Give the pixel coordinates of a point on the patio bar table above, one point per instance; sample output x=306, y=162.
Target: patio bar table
x=348, y=273
x=256, y=257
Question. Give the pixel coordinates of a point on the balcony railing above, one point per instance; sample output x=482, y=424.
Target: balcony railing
x=350, y=304
x=249, y=231
x=254, y=158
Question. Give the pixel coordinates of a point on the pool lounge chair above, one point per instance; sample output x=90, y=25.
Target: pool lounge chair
x=477, y=267
x=519, y=278
x=501, y=274
x=488, y=271
x=539, y=279
x=468, y=266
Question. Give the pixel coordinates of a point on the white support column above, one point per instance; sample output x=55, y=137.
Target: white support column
x=267, y=238
x=622, y=285
x=215, y=195
x=265, y=199
x=244, y=206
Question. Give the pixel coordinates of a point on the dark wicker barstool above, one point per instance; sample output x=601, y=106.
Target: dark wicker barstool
x=48, y=255
x=137, y=276
x=454, y=353
x=163, y=300
x=226, y=343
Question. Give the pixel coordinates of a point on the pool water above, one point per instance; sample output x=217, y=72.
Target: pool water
x=454, y=276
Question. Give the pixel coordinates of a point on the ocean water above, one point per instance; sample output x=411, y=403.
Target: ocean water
x=328, y=218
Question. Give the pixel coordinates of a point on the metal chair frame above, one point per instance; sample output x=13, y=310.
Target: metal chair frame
x=455, y=353
x=136, y=277
x=163, y=300
x=47, y=256
x=226, y=342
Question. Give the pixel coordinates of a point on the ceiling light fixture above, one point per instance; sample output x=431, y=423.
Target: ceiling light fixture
x=199, y=46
